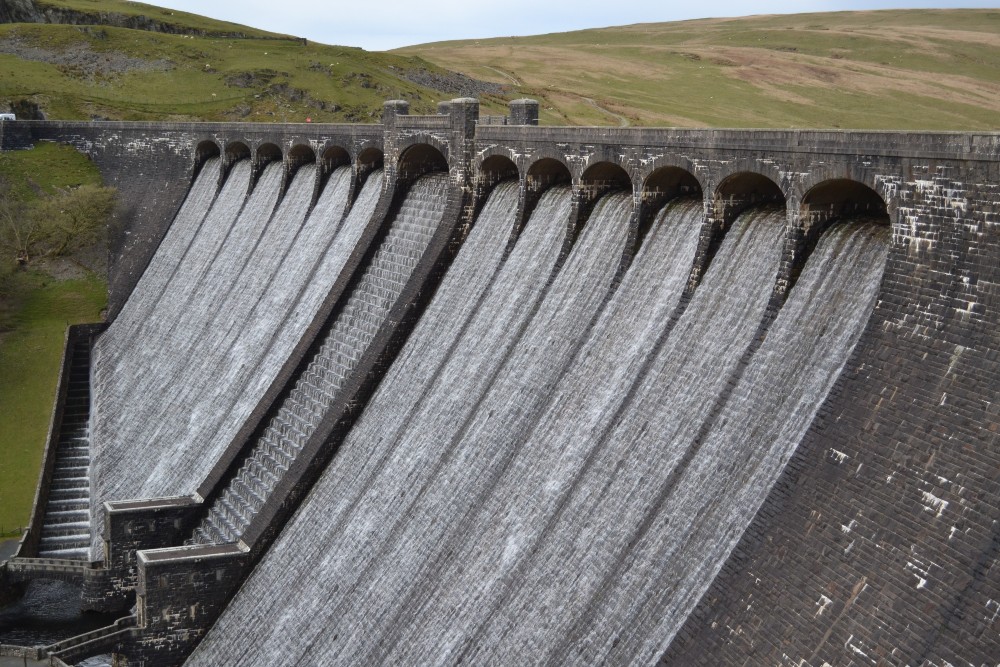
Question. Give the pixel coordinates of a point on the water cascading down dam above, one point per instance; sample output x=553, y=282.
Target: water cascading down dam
x=438, y=391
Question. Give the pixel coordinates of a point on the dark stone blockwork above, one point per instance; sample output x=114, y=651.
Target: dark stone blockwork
x=879, y=542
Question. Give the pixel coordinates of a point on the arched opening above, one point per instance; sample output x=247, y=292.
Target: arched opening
x=542, y=175
x=369, y=159
x=420, y=159
x=547, y=172
x=495, y=169
x=492, y=171
x=605, y=177
x=205, y=151
x=298, y=156
x=335, y=156
x=266, y=154
x=236, y=151
x=842, y=198
x=743, y=190
x=301, y=154
x=598, y=180
x=662, y=186
x=829, y=203
x=669, y=182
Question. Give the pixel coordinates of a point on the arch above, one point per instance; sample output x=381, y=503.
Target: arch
x=497, y=168
x=749, y=186
x=490, y=172
x=301, y=154
x=602, y=177
x=741, y=190
x=671, y=181
x=419, y=159
x=205, y=151
x=839, y=198
x=236, y=151
x=333, y=157
x=267, y=153
x=546, y=172
x=370, y=158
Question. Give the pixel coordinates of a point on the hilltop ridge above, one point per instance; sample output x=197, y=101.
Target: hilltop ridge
x=897, y=69
x=894, y=69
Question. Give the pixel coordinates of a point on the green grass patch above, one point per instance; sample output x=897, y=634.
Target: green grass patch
x=47, y=166
x=39, y=310
x=902, y=69
x=35, y=310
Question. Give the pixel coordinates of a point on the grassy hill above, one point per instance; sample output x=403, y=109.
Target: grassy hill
x=177, y=66
x=907, y=69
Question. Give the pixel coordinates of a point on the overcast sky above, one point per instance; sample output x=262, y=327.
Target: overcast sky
x=386, y=24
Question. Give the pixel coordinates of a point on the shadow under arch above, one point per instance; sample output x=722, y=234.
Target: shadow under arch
x=299, y=155
x=542, y=174
x=660, y=187
x=831, y=202
x=366, y=162
x=596, y=181
x=331, y=159
x=492, y=171
x=236, y=151
x=419, y=159
x=743, y=190
x=495, y=169
x=264, y=155
x=205, y=151
x=841, y=199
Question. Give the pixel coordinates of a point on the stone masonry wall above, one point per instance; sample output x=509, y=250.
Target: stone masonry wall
x=879, y=542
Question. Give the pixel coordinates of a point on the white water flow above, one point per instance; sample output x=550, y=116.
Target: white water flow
x=320, y=385
x=600, y=478
x=393, y=585
x=271, y=276
x=165, y=261
x=347, y=501
x=477, y=570
x=684, y=540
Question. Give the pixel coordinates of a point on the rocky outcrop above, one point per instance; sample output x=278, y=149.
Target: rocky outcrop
x=27, y=11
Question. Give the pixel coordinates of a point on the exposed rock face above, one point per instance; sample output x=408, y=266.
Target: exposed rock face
x=26, y=11
x=19, y=11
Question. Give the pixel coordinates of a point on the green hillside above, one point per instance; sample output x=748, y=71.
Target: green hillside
x=202, y=70
x=908, y=69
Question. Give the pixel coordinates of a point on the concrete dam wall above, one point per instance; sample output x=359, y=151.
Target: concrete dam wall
x=432, y=392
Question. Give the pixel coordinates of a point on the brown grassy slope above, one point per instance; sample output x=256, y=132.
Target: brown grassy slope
x=905, y=69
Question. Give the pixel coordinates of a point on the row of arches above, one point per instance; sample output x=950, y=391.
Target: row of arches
x=415, y=159
x=818, y=198
x=331, y=157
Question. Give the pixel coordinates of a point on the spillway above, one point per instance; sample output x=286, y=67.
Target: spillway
x=686, y=534
x=320, y=385
x=370, y=471
x=203, y=354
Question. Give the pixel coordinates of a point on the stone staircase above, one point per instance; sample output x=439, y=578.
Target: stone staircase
x=315, y=389
x=66, y=525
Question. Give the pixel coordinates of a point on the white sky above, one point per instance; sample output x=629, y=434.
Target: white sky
x=378, y=25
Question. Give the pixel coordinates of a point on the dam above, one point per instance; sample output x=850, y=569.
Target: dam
x=461, y=389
